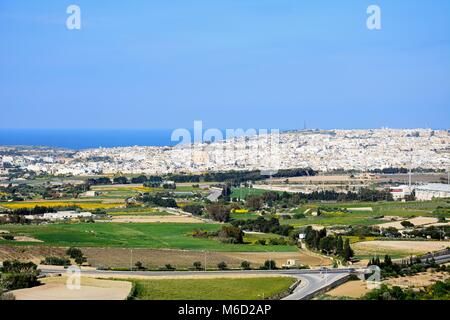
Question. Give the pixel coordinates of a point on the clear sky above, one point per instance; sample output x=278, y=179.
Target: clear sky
x=234, y=63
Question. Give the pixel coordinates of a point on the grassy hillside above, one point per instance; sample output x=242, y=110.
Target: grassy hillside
x=138, y=235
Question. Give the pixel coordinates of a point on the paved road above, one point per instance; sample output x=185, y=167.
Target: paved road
x=311, y=281
x=193, y=273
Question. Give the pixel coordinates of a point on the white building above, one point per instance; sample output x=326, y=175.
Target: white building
x=434, y=190
x=400, y=192
x=61, y=215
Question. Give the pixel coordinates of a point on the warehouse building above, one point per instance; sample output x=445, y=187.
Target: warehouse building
x=431, y=191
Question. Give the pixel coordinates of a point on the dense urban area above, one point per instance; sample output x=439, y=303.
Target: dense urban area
x=154, y=222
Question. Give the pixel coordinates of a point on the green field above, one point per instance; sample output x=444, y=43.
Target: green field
x=132, y=235
x=243, y=193
x=211, y=289
x=244, y=216
x=401, y=209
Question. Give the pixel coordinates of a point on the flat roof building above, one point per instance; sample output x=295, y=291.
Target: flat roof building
x=431, y=191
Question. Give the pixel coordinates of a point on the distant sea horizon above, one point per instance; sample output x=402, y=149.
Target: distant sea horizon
x=79, y=139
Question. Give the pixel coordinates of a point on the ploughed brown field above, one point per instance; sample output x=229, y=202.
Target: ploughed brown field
x=155, y=258
x=55, y=288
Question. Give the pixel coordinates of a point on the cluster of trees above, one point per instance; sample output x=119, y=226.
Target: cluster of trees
x=160, y=200
x=99, y=181
x=218, y=212
x=227, y=234
x=231, y=234
x=33, y=211
x=261, y=224
x=18, y=275
x=436, y=233
x=24, y=191
x=234, y=177
x=237, y=177
x=438, y=291
x=195, y=209
x=285, y=199
x=245, y=265
x=402, y=170
x=363, y=231
x=407, y=267
x=329, y=245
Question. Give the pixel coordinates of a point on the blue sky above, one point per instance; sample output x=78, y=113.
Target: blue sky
x=235, y=63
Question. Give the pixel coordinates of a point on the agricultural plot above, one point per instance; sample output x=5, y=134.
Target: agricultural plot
x=397, y=248
x=138, y=235
x=243, y=193
x=85, y=205
x=366, y=213
x=211, y=289
x=155, y=219
x=113, y=257
x=55, y=288
x=244, y=216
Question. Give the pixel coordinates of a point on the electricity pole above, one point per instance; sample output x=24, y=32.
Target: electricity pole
x=131, y=259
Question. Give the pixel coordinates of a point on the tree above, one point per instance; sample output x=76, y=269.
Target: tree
x=254, y=202
x=141, y=179
x=139, y=266
x=230, y=234
x=197, y=265
x=77, y=255
x=348, y=252
x=327, y=244
x=245, y=265
x=407, y=224
x=120, y=180
x=222, y=265
x=195, y=209
x=387, y=261
x=339, y=246
x=218, y=212
x=269, y=265
x=18, y=275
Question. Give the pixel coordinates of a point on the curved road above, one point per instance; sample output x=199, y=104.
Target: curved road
x=311, y=281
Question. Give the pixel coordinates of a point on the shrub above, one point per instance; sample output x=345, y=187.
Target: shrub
x=299, y=216
x=55, y=261
x=8, y=237
x=18, y=275
x=7, y=296
x=169, y=267
x=261, y=242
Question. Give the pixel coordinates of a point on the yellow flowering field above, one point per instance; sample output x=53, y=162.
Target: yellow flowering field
x=83, y=205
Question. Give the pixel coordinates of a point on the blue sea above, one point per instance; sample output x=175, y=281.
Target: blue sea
x=86, y=138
